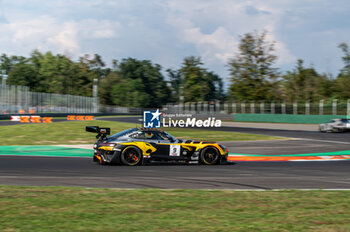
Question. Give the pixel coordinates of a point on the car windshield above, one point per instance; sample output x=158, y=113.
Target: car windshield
x=167, y=136
x=345, y=120
x=122, y=133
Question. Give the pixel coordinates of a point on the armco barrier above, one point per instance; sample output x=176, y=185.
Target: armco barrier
x=286, y=118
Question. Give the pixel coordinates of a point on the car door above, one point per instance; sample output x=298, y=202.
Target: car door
x=329, y=126
x=165, y=148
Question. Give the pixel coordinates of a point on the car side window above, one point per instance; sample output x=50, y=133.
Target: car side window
x=153, y=135
x=138, y=135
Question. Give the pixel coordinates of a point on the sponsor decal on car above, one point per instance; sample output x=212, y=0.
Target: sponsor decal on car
x=175, y=150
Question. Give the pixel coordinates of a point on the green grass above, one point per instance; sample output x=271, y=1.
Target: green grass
x=73, y=132
x=80, y=209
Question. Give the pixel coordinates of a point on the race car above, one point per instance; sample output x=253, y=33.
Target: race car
x=137, y=146
x=335, y=125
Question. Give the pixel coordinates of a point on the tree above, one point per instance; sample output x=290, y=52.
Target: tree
x=252, y=74
x=137, y=83
x=342, y=83
x=175, y=84
x=194, y=85
x=346, y=58
x=305, y=84
x=22, y=74
x=216, y=90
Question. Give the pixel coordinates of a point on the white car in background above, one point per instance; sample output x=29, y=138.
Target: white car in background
x=335, y=125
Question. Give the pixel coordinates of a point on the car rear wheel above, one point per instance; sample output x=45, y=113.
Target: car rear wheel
x=131, y=156
x=209, y=156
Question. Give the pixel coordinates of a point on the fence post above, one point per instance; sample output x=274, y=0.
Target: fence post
x=295, y=108
x=262, y=107
x=320, y=112
x=272, y=108
x=243, y=107
x=334, y=106
x=205, y=107
x=193, y=108
x=234, y=108
x=283, y=107
x=348, y=108
x=226, y=107
x=180, y=108
x=252, y=107
x=307, y=108
x=212, y=107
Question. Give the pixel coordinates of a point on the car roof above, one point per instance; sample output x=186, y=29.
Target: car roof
x=149, y=129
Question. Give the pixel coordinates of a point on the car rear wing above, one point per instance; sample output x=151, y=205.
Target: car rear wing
x=101, y=132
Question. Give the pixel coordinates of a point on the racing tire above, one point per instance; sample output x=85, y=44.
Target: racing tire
x=131, y=156
x=209, y=156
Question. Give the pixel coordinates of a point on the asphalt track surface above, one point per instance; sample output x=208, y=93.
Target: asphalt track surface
x=48, y=171
x=59, y=171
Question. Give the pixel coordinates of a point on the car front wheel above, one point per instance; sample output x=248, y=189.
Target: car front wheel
x=209, y=156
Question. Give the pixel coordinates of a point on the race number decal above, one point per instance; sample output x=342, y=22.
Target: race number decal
x=175, y=150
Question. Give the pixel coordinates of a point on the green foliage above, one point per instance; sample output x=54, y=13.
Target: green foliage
x=49, y=73
x=140, y=83
x=137, y=83
x=342, y=83
x=175, y=84
x=23, y=74
x=40, y=209
x=346, y=58
x=252, y=74
x=303, y=84
x=198, y=84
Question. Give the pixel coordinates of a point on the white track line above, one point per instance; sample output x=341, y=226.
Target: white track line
x=326, y=141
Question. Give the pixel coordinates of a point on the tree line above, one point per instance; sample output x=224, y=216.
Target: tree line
x=141, y=83
x=254, y=76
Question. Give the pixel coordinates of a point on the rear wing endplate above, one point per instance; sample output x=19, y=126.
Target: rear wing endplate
x=101, y=131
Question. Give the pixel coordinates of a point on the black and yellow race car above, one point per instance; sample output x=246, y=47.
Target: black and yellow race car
x=138, y=146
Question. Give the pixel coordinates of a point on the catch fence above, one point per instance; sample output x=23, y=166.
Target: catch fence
x=19, y=100
x=323, y=107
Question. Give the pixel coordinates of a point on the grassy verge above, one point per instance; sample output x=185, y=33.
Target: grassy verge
x=80, y=209
x=73, y=132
